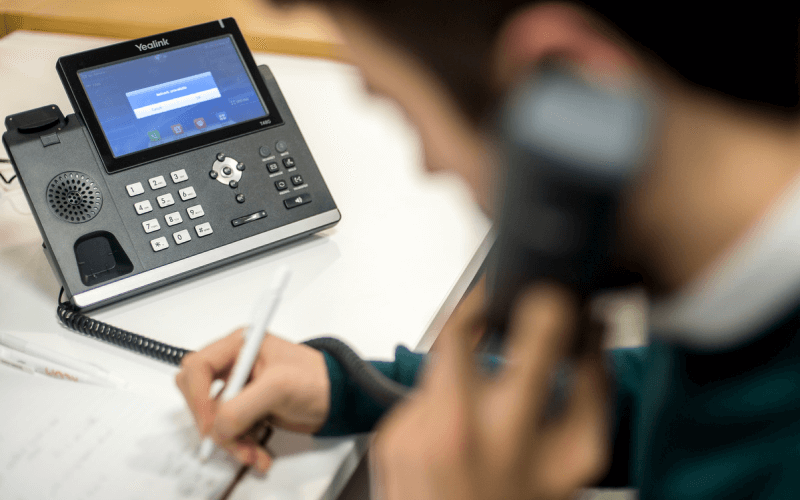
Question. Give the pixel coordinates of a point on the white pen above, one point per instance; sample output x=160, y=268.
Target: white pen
x=62, y=359
x=32, y=365
x=263, y=312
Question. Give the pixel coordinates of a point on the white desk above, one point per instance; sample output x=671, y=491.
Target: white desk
x=376, y=280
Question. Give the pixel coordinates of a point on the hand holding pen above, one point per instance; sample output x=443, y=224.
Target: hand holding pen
x=288, y=384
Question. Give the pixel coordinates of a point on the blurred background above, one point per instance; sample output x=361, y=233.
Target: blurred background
x=300, y=31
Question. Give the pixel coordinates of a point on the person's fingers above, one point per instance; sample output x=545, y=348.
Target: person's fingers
x=575, y=449
x=542, y=325
x=200, y=369
x=257, y=400
x=248, y=452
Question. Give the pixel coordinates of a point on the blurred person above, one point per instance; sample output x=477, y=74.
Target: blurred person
x=709, y=408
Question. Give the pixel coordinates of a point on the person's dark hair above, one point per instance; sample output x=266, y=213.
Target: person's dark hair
x=747, y=53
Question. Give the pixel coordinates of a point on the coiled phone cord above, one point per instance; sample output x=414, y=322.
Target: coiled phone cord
x=382, y=389
x=81, y=323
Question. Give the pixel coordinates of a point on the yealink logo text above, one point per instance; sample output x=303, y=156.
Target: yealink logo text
x=152, y=45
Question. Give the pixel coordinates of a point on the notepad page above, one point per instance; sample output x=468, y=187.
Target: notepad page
x=64, y=440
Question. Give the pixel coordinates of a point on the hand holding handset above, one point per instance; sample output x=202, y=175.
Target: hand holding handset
x=571, y=149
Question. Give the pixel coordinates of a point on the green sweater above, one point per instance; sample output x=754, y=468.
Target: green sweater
x=688, y=424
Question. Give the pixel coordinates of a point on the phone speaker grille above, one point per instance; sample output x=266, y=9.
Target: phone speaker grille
x=74, y=197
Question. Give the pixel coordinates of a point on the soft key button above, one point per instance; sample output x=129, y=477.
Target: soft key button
x=157, y=182
x=195, y=211
x=135, y=189
x=151, y=225
x=173, y=218
x=159, y=244
x=187, y=193
x=143, y=207
x=181, y=236
x=203, y=229
x=179, y=176
x=165, y=200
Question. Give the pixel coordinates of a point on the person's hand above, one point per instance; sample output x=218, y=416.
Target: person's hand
x=468, y=437
x=289, y=386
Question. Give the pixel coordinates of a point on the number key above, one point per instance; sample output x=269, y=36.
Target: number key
x=173, y=218
x=195, y=211
x=151, y=225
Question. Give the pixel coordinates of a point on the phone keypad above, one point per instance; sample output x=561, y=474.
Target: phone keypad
x=294, y=182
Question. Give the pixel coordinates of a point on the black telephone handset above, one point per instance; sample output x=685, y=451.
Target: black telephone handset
x=570, y=148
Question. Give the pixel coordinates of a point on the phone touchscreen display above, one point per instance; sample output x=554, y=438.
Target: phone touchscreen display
x=154, y=99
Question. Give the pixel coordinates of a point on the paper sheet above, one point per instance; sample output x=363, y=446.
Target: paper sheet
x=66, y=440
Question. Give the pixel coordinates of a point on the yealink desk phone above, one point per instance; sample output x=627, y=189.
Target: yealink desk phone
x=181, y=155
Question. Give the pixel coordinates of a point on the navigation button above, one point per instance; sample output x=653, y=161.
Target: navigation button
x=296, y=201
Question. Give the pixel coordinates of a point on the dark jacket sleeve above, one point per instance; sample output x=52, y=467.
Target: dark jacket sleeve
x=351, y=409
x=627, y=369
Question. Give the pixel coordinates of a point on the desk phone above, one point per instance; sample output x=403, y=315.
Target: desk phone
x=181, y=155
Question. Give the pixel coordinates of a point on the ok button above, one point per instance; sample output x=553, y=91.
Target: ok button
x=227, y=171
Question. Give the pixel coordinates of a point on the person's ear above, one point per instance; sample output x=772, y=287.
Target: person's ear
x=564, y=33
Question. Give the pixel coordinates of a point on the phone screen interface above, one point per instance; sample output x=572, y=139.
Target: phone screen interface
x=154, y=99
